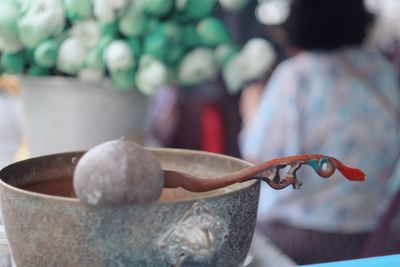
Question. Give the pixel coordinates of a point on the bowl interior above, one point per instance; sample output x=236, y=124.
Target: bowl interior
x=52, y=175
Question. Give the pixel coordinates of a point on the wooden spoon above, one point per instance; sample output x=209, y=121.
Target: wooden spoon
x=121, y=172
x=268, y=171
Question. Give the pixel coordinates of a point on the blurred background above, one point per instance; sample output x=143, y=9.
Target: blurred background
x=188, y=97
x=196, y=74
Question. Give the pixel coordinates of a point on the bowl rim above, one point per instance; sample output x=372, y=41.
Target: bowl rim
x=244, y=186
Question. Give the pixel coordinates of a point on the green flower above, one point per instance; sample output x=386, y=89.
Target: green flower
x=158, y=8
x=94, y=60
x=45, y=54
x=190, y=37
x=135, y=46
x=156, y=44
x=133, y=23
x=103, y=43
x=123, y=79
x=162, y=39
x=144, y=42
x=35, y=70
x=194, y=9
x=152, y=24
x=78, y=9
x=13, y=62
x=93, y=68
x=170, y=30
x=175, y=54
x=212, y=32
x=108, y=29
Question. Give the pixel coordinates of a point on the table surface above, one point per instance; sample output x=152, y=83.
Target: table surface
x=385, y=261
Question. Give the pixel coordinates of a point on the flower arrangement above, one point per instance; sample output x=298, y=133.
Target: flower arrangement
x=141, y=44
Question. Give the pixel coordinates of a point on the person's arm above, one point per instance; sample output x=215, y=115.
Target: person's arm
x=250, y=102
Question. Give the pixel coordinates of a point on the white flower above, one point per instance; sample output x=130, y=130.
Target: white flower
x=43, y=19
x=119, y=4
x=197, y=66
x=23, y=5
x=118, y=56
x=9, y=40
x=71, y=56
x=252, y=63
x=87, y=32
x=103, y=10
x=106, y=10
x=232, y=74
x=257, y=57
x=152, y=74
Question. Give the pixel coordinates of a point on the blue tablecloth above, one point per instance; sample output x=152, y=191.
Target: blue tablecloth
x=386, y=261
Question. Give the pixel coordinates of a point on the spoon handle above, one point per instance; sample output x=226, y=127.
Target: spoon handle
x=268, y=171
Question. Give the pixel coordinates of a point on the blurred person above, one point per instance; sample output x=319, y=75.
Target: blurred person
x=385, y=34
x=334, y=97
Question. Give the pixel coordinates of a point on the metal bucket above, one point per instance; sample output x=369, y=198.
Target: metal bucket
x=66, y=114
x=181, y=229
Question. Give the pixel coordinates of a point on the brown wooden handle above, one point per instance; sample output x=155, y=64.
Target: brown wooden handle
x=268, y=171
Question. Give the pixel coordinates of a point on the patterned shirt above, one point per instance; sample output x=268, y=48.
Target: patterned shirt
x=313, y=104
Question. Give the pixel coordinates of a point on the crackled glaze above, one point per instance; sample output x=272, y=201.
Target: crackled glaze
x=56, y=231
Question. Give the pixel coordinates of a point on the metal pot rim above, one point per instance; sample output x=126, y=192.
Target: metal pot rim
x=234, y=188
